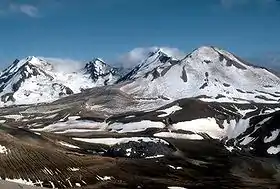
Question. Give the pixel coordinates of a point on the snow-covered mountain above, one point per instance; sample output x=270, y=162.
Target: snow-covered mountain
x=146, y=118
x=208, y=73
x=101, y=73
x=34, y=80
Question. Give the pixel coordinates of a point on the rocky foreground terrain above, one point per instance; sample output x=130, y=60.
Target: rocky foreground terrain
x=208, y=120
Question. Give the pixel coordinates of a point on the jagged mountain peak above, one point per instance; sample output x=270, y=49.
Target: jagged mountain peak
x=205, y=52
x=212, y=54
x=30, y=62
x=96, y=65
x=99, y=71
x=36, y=61
x=159, y=51
x=162, y=54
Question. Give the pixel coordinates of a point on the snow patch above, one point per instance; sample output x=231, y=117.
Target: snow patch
x=15, y=117
x=47, y=171
x=244, y=112
x=131, y=116
x=178, y=135
x=74, y=169
x=135, y=126
x=115, y=141
x=247, y=140
x=75, y=131
x=169, y=111
x=273, y=150
x=67, y=144
x=234, y=129
x=71, y=118
x=73, y=124
x=21, y=181
x=128, y=151
x=3, y=150
x=154, y=157
x=175, y=168
x=203, y=125
x=105, y=178
x=274, y=135
x=78, y=184
x=229, y=148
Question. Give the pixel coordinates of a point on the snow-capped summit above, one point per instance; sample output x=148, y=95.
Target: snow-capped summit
x=101, y=73
x=39, y=62
x=34, y=80
x=29, y=61
x=208, y=73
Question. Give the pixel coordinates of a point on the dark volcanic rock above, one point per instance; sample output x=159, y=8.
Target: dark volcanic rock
x=263, y=134
x=140, y=149
x=184, y=76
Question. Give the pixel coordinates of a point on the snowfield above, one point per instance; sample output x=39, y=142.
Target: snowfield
x=68, y=145
x=135, y=126
x=179, y=136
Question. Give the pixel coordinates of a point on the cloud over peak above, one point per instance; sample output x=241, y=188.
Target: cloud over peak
x=137, y=55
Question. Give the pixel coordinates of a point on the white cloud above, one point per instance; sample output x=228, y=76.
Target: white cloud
x=27, y=9
x=137, y=55
x=67, y=65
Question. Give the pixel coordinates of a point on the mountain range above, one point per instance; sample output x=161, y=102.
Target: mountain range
x=207, y=73
x=202, y=120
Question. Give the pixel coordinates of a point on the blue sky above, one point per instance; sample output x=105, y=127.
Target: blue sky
x=83, y=29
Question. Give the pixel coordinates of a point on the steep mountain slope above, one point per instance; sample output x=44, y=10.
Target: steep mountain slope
x=34, y=80
x=208, y=73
